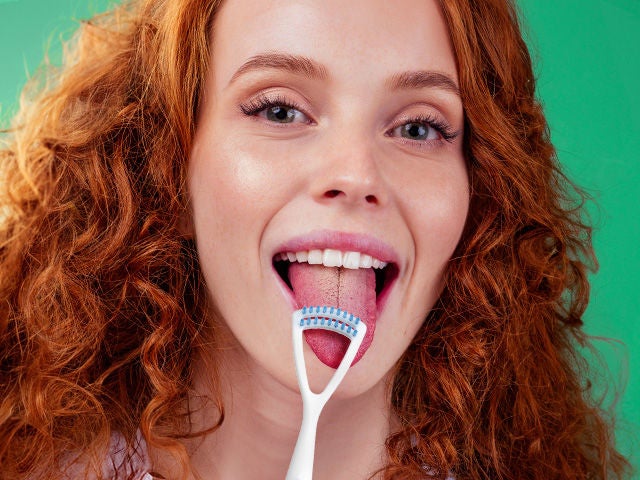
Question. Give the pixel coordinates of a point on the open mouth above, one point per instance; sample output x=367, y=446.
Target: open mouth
x=385, y=273
x=353, y=281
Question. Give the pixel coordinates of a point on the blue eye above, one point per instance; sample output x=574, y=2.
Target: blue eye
x=276, y=110
x=417, y=131
x=281, y=114
x=424, y=129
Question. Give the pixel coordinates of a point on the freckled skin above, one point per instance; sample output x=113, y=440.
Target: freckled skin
x=254, y=185
x=342, y=165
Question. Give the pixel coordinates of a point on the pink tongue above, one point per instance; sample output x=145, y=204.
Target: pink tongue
x=353, y=290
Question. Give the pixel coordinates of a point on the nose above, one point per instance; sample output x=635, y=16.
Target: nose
x=349, y=175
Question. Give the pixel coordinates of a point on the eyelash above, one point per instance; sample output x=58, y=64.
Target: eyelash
x=256, y=105
x=447, y=133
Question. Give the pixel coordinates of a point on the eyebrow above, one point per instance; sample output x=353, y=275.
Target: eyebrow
x=422, y=79
x=301, y=65
x=296, y=64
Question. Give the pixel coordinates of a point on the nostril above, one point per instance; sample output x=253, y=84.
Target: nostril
x=332, y=193
x=336, y=193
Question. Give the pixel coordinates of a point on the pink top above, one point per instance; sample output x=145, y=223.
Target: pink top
x=141, y=464
x=115, y=462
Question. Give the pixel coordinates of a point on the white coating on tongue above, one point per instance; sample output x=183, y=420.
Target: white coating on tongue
x=353, y=290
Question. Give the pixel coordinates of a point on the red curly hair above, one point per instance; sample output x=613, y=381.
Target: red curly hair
x=102, y=305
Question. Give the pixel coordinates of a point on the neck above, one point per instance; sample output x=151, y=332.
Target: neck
x=261, y=425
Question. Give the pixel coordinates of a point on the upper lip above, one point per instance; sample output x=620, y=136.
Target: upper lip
x=344, y=241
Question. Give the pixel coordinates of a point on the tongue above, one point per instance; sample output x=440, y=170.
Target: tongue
x=353, y=290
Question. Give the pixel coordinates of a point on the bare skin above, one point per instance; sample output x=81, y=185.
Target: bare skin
x=361, y=153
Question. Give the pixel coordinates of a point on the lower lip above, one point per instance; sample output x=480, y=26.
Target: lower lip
x=330, y=347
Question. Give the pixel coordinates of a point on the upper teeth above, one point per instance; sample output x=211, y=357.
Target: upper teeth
x=333, y=258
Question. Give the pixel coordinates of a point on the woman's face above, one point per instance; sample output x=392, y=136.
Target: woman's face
x=327, y=125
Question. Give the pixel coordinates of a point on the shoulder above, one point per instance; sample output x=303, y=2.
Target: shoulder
x=428, y=471
x=116, y=462
x=119, y=462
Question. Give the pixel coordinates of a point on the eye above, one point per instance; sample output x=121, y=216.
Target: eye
x=274, y=109
x=417, y=131
x=281, y=114
x=423, y=129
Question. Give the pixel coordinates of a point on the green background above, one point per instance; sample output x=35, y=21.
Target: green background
x=587, y=57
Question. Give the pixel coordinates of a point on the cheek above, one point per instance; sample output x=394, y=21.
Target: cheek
x=437, y=205
x=448, y=212
x=435, y=208
x=229, y=187
x=226, y=202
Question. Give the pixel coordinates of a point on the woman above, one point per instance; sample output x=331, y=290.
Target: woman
x=187, y=148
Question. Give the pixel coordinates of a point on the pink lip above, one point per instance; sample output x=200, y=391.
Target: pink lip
x=324, y=239
x=348, y=242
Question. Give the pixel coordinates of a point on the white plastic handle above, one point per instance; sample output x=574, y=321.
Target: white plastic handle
x=301, y=466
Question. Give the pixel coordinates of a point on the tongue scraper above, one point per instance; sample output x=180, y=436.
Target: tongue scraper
x=335, y=320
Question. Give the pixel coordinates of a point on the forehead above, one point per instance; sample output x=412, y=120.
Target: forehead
x=353, y=37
